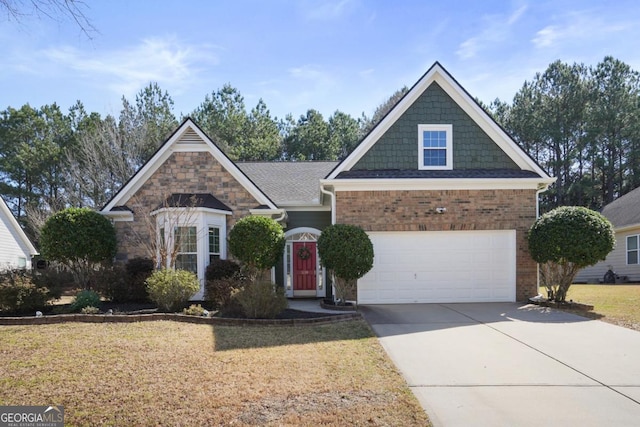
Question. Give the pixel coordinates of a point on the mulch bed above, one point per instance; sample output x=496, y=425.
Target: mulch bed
x=133, y=312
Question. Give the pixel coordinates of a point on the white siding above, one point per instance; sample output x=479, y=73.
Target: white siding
x=616, y=259
x=12, y=247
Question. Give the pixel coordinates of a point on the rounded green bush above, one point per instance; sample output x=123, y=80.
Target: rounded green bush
x=347, y=250
x=257, y=241
x=171, y=289
x=85, y=298
x=78, y=234
x=571, y=234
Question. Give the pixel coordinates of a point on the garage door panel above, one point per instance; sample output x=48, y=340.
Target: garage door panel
x=448, y=266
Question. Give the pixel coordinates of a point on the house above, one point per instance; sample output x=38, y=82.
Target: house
x=444, y=193
x=624, y=261
x=16, y=250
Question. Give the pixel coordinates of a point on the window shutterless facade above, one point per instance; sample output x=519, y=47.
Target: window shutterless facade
x=186, y=241
x=435, y=147
x=214, y=243
x=632, y=249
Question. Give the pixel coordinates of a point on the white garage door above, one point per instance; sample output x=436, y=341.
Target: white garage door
x=440, y=266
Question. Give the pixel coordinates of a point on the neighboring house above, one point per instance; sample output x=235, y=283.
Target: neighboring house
x=445, y=194
x=16, y=249
x=624, y=260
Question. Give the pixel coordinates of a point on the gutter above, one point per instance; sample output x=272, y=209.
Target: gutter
x=333, y=202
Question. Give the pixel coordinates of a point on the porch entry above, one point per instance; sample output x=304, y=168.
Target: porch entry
x=304, y=269
x=304, y=277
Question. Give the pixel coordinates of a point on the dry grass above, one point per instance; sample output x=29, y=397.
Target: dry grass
x=618, y=304
x=179, y=374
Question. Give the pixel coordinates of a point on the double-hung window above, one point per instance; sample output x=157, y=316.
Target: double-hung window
x=214, y=243
x=632, y=249
x=435, y=147
x=186, y=241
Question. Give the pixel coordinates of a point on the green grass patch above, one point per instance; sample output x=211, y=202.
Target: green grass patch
x=619, y=304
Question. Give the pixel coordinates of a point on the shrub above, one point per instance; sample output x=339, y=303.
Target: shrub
x=138, y=270
x=222, y=279
x=85, y=298
x=107, y=280
x=78, y=238
x=195, y=310
x=126, y=283
x=55, y=278
x=171, y=289
x=347, y=251
x=257, y=242
x=565, y=240
x=221, y=269
x=261, y=300
x=90, y=310
x=18, y=293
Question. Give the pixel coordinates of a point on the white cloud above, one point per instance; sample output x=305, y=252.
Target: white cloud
x=496, y=29
x=578, y=26
x=163, y=60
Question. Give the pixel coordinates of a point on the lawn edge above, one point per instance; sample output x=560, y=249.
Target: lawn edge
x=176, y=317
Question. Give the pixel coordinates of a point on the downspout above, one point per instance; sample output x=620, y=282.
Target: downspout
x=541, y=189
x=333, y=202
x=333, y=221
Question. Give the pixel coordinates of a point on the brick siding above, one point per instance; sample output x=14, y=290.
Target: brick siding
x=182, y=172
x=466, y=210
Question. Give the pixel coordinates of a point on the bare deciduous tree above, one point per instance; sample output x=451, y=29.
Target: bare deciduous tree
x=55, y=10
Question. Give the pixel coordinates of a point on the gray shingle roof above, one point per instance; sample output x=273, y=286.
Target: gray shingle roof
x=624, y=210
x=455, y=173
x=288, y=182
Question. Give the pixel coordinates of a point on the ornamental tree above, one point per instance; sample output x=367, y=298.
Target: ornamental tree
x=257, y=242
x=78, y=238
x=565, y=240
x=347, y=251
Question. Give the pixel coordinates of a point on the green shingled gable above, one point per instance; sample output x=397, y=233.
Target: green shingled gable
x=398, y=147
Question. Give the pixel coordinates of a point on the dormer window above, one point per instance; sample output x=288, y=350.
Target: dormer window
x=435, y=148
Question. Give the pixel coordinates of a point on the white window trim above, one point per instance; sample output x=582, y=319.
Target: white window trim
x=202, y=219
x=449, y=146
x=627, y=250
x=209, y=253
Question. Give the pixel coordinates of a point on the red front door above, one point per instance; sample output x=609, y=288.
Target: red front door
x=304, y=268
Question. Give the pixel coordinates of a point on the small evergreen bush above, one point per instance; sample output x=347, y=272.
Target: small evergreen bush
x=221, y=269
x=90, y=310
x=18, y=293
x=171, y=289
x=85, y=298
x=138, y=271
x=261, y=300
x=222, y=280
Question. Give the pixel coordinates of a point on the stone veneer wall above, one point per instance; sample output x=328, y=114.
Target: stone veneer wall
x=466, y=210
x=182, y=172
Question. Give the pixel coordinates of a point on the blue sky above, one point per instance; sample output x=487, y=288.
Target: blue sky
x=347, y=55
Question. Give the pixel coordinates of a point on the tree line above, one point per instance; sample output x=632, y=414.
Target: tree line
x=51, y=159
x=580, y=123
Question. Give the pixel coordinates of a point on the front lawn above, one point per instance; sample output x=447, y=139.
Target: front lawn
x=170, y=373
x=619, y=304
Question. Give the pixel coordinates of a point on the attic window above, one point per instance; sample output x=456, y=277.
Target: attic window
x=435, y=147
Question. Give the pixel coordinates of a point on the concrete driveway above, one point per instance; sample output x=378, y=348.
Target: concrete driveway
x=507, y=364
